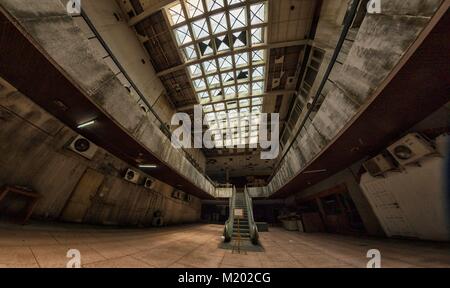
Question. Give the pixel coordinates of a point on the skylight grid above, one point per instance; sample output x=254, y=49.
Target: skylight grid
x=222, y=44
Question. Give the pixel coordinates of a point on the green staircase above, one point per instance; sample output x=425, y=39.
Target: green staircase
x=245, y=227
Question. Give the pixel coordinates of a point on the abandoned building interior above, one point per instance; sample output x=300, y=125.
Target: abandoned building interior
x=88, y=162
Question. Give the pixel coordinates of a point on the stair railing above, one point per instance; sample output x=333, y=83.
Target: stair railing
x=254, y=236
x=228, y=230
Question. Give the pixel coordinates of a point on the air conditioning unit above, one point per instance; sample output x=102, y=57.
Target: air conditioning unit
x=378, y=165
x=131, y=176
x=410, y=149
x=83, y=147
x=148, y=183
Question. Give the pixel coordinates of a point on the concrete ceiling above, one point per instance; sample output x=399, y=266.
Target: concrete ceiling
x=288, y=26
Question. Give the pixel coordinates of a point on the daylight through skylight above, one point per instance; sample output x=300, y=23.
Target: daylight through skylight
x=222, y=42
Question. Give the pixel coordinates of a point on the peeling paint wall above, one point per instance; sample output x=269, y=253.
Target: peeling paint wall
x=34, y=154
x=48, y=24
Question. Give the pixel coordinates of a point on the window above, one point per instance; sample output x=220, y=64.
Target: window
x=225, y=83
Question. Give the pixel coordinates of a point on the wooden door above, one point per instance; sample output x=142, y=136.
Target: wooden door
x=80, y=200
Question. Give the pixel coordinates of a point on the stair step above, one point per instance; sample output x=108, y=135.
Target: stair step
x=243, y=235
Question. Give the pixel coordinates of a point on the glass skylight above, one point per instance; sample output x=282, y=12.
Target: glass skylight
x=222, y=45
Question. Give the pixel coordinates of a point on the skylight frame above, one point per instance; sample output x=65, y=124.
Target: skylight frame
x=218, y=44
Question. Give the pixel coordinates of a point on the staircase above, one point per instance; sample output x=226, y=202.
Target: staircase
x=247, y=227
x=243, y=227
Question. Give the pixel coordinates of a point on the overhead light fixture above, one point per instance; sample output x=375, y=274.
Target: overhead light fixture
x=86, y=124
x=148, y=166
x=315, y=171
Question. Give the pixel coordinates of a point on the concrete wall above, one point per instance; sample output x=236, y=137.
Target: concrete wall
x=379, y=45
x=121, y=39
x=425, y=193
x=33, y=148
x=48, y=24
x=127, y=49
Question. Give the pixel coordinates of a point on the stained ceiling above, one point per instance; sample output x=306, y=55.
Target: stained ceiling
x=231, y=56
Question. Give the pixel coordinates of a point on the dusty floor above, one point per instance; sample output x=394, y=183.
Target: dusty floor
x=40, y=245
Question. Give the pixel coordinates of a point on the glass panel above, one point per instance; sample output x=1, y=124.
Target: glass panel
x=257, y=88
x=176, y=14
x=244, y=103
x=258, y=56
x=231, y=105
x=257, y=13
x=195, y=70
x=199, y=84
x=222, y=43
x=225, y=63
x=257, y=101
x=257, y=36
x=210, y=66
x=228, y=78
x=243, y=90
x=258, y=72
x=206, y=48
x=218, y=23
x=203, y=95
x=241, y=59
x=194, y=7
x=232, y=2
x=182, y=34
x=242, y=75
x=213, y=81
x=207, y=108
x=240, y=39
x=219, y=106
x=189, y=53
x=200, y=28
x=238, y=18
x=216, y=94
x=214, y=4
x=230, y=91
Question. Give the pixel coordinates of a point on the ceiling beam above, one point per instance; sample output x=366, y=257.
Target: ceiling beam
x=269, y=93
x=229, y=53
x=152, y=9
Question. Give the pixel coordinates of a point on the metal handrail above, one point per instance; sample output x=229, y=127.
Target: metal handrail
x=347, y=25
x=228, y=229
x=254, y=236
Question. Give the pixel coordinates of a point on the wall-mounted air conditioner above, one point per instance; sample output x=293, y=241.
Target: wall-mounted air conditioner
x=378, y=165
x=83, y=147
x=148, y=183
x=410, y=149
x=131, y=176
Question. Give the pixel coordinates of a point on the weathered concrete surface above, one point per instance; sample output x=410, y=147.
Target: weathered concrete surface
x=346, y=176
x=55, y=32
x=379, y=45
x=33, y=148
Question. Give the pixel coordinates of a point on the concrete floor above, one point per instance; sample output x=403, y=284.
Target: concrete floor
x=40, y=245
